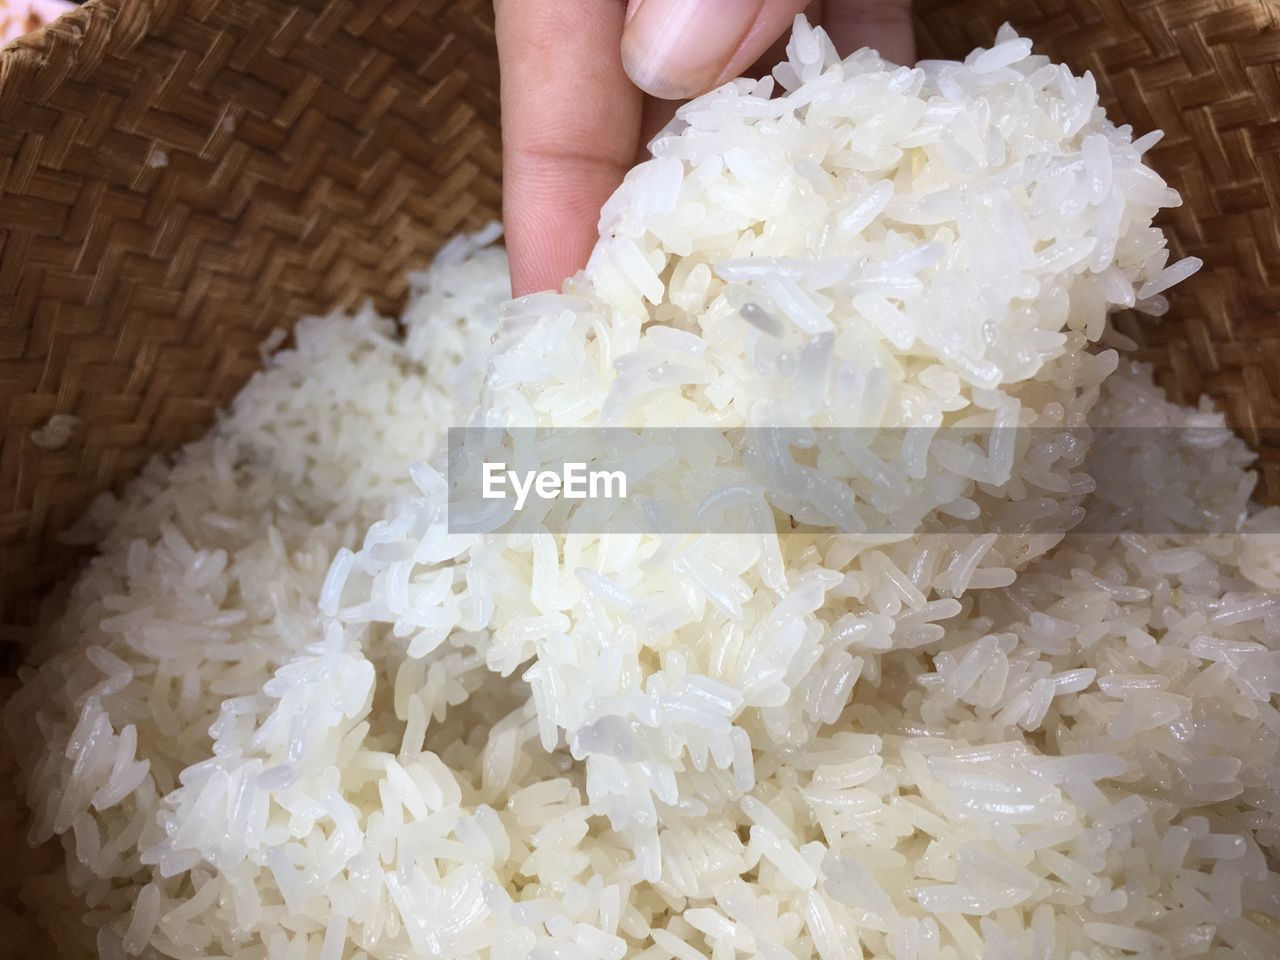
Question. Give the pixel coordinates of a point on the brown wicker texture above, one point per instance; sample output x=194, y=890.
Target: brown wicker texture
x=178, y=178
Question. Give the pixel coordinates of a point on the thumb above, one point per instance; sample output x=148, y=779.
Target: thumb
x=676, y=49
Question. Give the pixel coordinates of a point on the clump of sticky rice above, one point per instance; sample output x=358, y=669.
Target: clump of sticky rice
x=907, y=251
x=209, y=571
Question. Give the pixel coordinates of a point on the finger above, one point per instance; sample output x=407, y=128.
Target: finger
x=883, y=25
x=570, y=123
x=675, y=49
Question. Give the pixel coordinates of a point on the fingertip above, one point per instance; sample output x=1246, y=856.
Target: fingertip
x=550, y=237
x=534, y=272
x=676, y=49
x=655, y=75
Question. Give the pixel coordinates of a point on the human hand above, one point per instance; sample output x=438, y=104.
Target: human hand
x=585, y=83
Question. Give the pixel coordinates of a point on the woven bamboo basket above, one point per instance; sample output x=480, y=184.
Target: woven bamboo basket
x=179, y=177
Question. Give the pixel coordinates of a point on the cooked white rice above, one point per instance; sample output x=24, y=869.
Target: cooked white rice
x=262, y=736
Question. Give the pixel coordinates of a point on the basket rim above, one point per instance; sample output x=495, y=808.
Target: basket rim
x=33, y=66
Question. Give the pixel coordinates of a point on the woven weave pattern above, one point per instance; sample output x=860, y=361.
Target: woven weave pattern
x=176, y=179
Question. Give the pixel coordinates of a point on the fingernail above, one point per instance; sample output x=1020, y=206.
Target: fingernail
x=632, y=7
x=678, y=48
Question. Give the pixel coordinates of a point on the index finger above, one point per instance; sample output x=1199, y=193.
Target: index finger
x=570, y=126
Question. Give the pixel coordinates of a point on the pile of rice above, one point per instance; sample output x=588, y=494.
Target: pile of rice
x=288, y=714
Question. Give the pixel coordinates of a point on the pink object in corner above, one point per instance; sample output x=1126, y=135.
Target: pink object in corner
x=22, y=16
